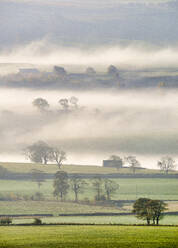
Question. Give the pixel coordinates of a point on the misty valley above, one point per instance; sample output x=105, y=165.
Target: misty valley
x=88, y=123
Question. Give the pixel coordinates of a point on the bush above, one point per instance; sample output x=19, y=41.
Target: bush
x=37, y=197
x=37, y=221
x=5, y=221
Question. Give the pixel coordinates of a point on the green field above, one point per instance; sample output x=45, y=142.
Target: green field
x=88, y=237
x=52, y=168
x=125, y=220
x=53, y=207
x=129, y=189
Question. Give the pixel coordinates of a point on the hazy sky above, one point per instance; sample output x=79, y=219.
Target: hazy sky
x=80, y=22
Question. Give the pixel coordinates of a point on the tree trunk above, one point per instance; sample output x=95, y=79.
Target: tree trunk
x=153, y=221
x=157, y=221
x=148, y=221
x=108, y=196
x=61, y=195
x=59, y=164
x=45, y=160
x=76, y=196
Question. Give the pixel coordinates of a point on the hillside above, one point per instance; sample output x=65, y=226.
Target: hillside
x=88, y=169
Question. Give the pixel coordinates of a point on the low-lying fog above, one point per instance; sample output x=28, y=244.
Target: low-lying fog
x=142, y=123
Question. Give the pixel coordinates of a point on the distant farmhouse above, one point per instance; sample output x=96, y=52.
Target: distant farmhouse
x=113, y=163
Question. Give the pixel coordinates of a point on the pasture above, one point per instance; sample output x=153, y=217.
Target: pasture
x=88, y=236
x=52, y=168
x=121, y=219
x=129, y=189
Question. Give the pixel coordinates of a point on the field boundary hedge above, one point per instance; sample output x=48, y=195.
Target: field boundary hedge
x=28, y=176
x=76, y=214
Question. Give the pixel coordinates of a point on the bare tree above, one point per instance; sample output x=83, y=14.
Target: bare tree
x=110, y=188
x=41, y=104
x=58, y=156
x=98, y=187
x=77, y=185
x=60, y=184
x=133, y=163
x=166, y=164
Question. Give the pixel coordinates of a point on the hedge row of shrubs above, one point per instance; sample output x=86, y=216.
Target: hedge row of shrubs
x=17, y=197
x=5, y=221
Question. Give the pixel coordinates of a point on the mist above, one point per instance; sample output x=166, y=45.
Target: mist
x=133, y=56
x=140, y=123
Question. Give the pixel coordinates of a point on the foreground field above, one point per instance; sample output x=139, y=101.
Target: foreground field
x=88, y=237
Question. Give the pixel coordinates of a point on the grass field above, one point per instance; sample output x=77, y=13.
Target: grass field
x=52, y=207
x=129, y=189
x=88, y=237
x=56, y=208
x=52, y=168
x=126, y=219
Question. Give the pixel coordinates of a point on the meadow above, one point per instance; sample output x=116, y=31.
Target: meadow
x=122, y=219
x=129, y=189
x=52, y=168
x=88, y=236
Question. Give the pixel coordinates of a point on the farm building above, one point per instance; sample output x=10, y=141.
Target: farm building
x=113, y=163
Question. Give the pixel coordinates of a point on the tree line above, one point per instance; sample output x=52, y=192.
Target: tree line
x=104, y=188
x=165, y=164
x=66, y=104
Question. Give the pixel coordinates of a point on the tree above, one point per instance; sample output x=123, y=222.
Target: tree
x=142, y=210
x=119, y=162
x=157, y=208
x=133, y=163
x=98, y=187
x=39, y=152
x=38, y=177
x=74, y=101
x=41, y=104
x=166, y=164
x=60, y=71
x=90, y=71
x=58, y=156
x=64, y=104
x=77, y=185
x=110, y=188
x=113, y=71
x=60, y=185
x=149, y=209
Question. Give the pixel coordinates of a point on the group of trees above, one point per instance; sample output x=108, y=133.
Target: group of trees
x=103, y=188
x=90, y=71
x=131, y=161
x=149, y=210
x=41, y=152
x=165, y=164
x=66, y=104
